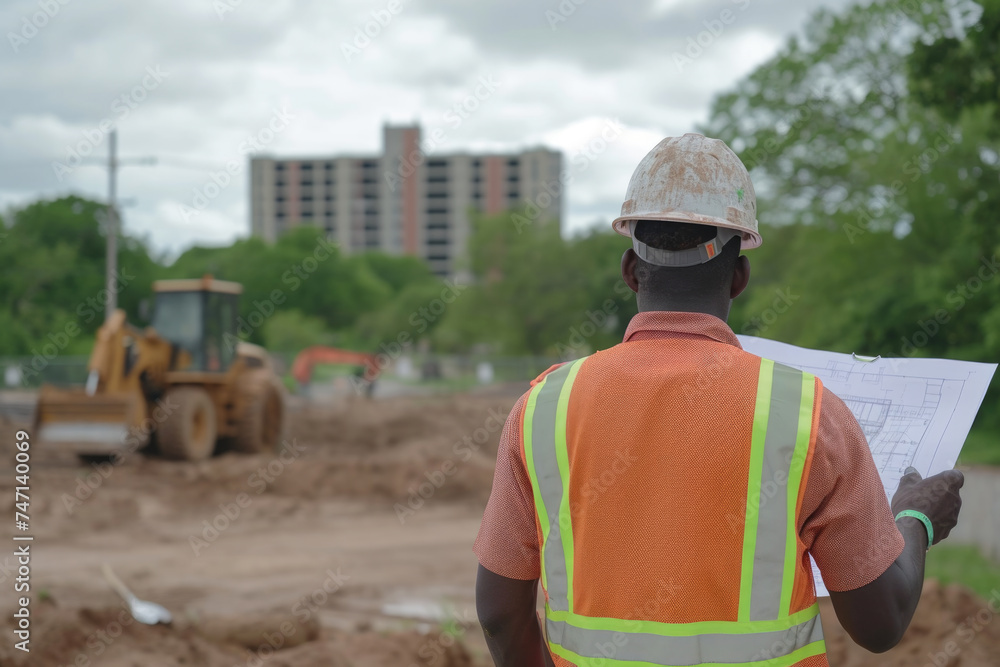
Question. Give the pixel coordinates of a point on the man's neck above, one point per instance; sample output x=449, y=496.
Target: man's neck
x=720, y=310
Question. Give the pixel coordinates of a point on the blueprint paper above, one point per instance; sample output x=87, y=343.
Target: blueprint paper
x=914, y=412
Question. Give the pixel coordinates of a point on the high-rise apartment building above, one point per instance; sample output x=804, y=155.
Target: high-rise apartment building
x=403, y=201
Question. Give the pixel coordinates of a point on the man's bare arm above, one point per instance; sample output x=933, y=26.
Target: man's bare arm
x=506, y=609
x=876, y=616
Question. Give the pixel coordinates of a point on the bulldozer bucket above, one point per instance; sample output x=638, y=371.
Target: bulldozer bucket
x=99, y=424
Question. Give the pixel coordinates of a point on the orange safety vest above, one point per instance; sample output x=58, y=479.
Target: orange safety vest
x=667, y=510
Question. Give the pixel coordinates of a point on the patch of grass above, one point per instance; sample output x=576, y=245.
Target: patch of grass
x=982, y=447
x=964, y=565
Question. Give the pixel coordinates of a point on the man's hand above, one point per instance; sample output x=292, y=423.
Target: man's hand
x=937, y=497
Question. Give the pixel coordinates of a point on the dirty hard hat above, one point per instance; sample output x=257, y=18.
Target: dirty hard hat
x=691, y=179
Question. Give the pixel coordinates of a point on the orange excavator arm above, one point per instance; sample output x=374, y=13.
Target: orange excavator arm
x=304, y=362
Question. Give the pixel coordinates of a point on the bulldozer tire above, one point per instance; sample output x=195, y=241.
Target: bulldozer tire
x=188, y=433
x=260, y=413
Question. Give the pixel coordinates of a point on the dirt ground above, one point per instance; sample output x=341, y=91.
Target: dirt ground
x=352, y=549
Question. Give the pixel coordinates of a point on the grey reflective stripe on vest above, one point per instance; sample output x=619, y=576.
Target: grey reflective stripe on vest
x=550, y=484
x=779, y=446
x=684, y=651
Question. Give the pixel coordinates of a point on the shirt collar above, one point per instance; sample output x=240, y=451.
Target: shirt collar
x=669, y=324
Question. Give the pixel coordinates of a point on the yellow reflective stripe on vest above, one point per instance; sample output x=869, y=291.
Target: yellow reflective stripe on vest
x=683, y=629
x=765, y=632
x=548, y=469
x=758, y=438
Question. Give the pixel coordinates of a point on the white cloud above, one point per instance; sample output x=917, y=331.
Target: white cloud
x=226, y=76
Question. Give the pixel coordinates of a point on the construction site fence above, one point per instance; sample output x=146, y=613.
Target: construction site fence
x=442, y=370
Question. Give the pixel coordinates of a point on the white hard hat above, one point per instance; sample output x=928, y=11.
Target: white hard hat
x=691, y=179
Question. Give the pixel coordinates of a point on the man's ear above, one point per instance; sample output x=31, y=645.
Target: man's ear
x=741, y=277
x=629, y=261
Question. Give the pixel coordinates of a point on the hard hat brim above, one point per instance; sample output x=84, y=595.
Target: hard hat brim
x=750, y=239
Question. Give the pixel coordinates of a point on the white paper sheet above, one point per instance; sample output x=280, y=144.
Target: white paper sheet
x=914, y=412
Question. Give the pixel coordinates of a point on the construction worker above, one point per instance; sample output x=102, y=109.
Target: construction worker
x=667, y=491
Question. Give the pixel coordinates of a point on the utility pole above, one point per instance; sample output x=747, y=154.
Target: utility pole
x=111, y=261
x=111, y=221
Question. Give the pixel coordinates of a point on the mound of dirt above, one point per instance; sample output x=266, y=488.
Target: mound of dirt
x=388, y=449
x=363, y=426
x=361, y=450
x=952, y=627
x=109, y=637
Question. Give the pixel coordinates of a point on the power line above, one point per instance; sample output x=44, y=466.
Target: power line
x=174, y=162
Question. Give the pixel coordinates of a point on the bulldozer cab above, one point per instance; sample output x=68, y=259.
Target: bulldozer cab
x=198, y=317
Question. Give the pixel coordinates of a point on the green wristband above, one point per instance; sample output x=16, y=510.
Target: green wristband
x=923, y=519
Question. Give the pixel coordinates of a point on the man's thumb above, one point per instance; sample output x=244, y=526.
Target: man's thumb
x=910, y=476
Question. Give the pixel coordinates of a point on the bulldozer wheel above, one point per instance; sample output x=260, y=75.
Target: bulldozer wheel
x=260, y=413
x=188, y=433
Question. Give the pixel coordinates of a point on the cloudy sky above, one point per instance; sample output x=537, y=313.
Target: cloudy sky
x=190, y=81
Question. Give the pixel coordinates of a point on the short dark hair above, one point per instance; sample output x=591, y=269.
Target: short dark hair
x=699, y=280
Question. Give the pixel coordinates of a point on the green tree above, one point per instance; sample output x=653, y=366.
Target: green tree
x=292, y=331
x=54, y=258
x=538, y=293
x=873, y=140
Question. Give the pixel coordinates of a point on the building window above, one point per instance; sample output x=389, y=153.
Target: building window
x=328, y=214
x=306, y=167
x=280, y=166
x=307, y=198
x=437, y=163
x=437, y=195
x=328, y=166
x=328, y=198
x=328, y=183
x=307, y=184
x=513, y=162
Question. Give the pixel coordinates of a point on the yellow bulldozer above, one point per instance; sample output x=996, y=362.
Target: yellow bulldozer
x=186, y=383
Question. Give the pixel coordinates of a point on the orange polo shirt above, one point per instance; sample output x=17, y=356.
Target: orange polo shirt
x=845, y=522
